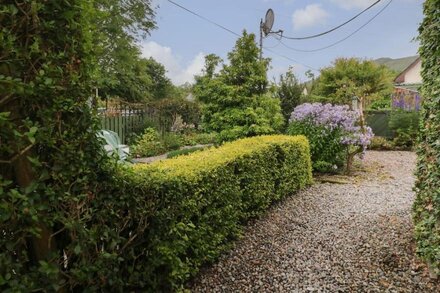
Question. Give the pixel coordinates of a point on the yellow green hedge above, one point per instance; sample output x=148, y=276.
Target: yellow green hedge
x=201, y=200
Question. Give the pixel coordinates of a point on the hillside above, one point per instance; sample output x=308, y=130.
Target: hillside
x=398, y=64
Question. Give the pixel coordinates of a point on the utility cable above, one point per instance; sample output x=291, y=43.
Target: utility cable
x=204, y=18
x=341, y=40
x=277, y=44
x=290, y=59
x=234, y=33
x=333, y=29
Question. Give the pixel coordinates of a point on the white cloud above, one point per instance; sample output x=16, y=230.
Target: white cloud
x=311, y=15
x=177, y=71
x=349, y=4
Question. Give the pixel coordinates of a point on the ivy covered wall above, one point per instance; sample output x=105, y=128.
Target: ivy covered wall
x=427, y=204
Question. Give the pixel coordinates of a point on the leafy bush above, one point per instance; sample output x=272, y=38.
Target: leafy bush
x=427, y=204
x=171, y=141
x=201, y=200
x=380, y=143
x=380, y=104
x=333, y=134
x=194, y=138
x=206, y=138
x=404, y=124
x=148, y=145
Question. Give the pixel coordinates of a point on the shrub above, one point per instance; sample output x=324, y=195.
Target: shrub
x=206, y=138
x=171, y=141
x=200, y=201
x=148, y=145
x=333, y=132
x=404, y=124
x=427, y=204
x=380, y=143
x=383, y=103
x=190, y=139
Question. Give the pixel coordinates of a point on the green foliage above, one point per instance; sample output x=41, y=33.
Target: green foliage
x=380, y=143
x=118, y=25
x=177, y=153
x=380, y=104
x=289, y=92
x=350, y=77
x=193, y=138
x=201, y=200
x=171, y=141
x=54, y=171
x=427, y=205
x=169, y=109
x=149, y=144
x=405, y=126
x=161, y=86
x=327, y=152
x=235, y=101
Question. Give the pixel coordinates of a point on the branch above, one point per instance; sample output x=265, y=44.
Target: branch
x=17, y=155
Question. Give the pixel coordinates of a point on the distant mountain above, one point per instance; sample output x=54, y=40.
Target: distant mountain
x=398, y=64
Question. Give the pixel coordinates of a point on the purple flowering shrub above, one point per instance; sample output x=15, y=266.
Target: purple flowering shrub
x=334, y=133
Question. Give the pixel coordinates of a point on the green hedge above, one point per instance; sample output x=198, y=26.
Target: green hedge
x=201, y=200
x=427, y=204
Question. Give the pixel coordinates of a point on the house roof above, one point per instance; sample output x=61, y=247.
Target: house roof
x=401, y=77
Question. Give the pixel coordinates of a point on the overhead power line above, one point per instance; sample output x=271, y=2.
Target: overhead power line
x=341, y=40
x=234, y=33
x=204, y=18
x=333, y=29
x=290, y=59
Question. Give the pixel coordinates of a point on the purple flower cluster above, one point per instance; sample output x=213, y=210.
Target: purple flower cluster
x=335, y=117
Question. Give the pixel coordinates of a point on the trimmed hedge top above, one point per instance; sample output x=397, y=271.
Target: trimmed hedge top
x=204, y=161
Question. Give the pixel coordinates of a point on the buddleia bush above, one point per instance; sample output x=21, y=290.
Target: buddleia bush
x=334, y=134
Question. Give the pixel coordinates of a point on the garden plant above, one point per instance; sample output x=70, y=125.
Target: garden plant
x=335, y=134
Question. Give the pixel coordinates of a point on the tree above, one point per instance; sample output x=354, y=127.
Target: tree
x=128, y=77
x=289, y=92
x=349, y=77
x=119, y=24
x=426, y=209
x=161, y=86
x=235, y=100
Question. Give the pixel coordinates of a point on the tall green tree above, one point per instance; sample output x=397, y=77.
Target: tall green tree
x=289, y=91
x=350, y=77
x=119, y=25
x=236, y=103
x=426, y=209
x=161, y=86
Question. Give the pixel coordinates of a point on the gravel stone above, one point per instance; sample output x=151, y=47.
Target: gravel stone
x=354, y=237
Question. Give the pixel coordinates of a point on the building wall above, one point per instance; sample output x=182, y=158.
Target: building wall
x=413, y=74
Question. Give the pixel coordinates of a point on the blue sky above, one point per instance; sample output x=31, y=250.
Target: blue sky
x=182, y=40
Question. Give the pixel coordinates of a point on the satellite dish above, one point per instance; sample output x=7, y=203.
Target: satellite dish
x=268, y=21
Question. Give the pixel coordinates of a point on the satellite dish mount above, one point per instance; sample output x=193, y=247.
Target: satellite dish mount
x=266, y=28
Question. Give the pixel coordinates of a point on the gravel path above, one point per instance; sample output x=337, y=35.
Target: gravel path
x=354, y=237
